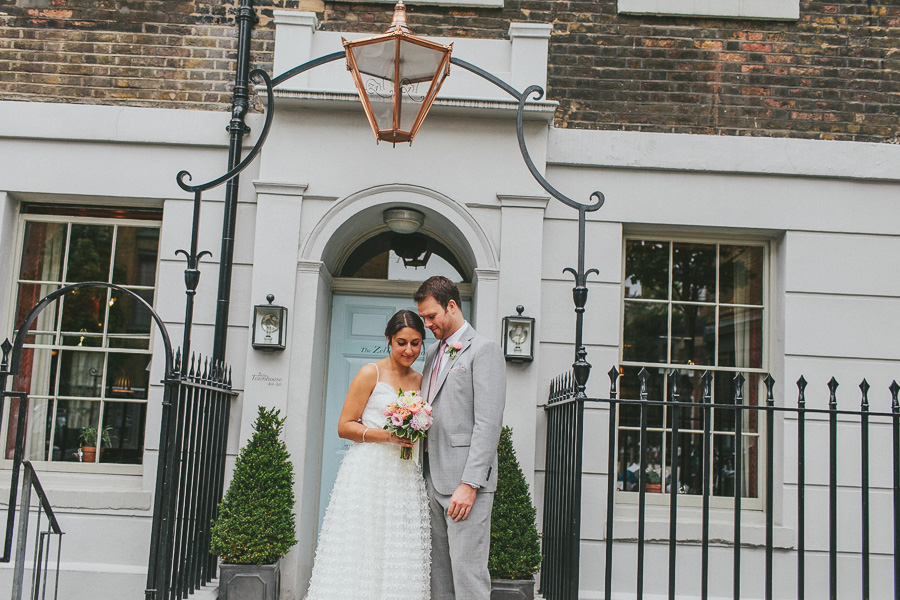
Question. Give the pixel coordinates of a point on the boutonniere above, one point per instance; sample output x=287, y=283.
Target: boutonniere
x=452, y=349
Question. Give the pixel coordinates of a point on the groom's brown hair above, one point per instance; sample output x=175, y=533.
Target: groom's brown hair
x=441, y=289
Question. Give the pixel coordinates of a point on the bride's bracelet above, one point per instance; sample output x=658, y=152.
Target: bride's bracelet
x=364, y=435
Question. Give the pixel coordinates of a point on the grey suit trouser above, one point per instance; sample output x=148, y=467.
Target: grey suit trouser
x=459, y=550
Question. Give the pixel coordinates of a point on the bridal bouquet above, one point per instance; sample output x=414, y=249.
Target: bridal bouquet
x=408, y=417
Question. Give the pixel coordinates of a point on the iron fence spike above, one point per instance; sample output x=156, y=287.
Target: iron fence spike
x=613, y=381
x=864, y=388
x=832, y=389
x=739, y=389
x=895, y=389
x=770, y=388
x=801, y=391
x=673, y=385
x=6, y=346
x=643, y=375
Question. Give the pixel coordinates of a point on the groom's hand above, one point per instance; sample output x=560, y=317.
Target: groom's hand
x=461, y=502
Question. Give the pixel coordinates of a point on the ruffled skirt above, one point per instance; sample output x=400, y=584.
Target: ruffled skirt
x=375, y=542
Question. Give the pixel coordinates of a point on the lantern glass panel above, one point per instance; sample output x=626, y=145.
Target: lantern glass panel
x=418, y=66
x=376, y=70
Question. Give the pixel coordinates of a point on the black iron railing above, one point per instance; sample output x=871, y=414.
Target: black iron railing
x=192, y=463
x=43, y=542
x=736, y=481
x=41, y=560
x=562, y=490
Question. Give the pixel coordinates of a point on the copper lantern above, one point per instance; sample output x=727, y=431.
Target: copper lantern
x=398, y=76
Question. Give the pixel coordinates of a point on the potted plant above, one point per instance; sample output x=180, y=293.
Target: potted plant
x=255, y=525
x=89, y=443
x=515, y=554
x=653, y=481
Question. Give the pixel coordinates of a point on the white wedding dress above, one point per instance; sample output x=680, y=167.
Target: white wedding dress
x=375, y=542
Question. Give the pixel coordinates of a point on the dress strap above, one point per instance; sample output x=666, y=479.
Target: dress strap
x=377, y=373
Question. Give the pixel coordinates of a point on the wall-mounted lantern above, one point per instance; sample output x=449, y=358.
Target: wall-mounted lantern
x=269, y=325
x=518, y=337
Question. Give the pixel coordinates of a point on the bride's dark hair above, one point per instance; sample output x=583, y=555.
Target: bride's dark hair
x=404, y=318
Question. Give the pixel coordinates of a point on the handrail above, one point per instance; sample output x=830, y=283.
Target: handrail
x=42, y=496
x=31, y=481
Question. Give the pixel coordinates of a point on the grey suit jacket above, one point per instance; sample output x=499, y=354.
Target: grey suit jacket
x=468, y=414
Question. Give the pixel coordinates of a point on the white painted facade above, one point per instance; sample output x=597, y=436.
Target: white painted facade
x=826, y=211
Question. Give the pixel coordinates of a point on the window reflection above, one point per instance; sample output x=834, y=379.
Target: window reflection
x=86, y=364
x=691, y=307
x=402, y=257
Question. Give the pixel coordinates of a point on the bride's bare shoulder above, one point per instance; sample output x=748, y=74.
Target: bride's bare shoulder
x=367, y=376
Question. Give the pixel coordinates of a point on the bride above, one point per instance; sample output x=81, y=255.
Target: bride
x=375, y=542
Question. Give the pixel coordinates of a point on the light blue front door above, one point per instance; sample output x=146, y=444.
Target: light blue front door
x=357, y=338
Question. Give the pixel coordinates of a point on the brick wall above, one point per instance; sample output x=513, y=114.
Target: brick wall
x=835, y=74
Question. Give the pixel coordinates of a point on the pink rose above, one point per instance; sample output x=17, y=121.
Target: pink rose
x=427, y=408
x=456, y=346
x=396, y=420
x=420, y=421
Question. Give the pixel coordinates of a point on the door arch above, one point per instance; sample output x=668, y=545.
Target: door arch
x=358, y=307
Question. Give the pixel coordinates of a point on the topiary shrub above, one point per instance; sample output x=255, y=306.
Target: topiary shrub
x=515, y=542
x=256, y=519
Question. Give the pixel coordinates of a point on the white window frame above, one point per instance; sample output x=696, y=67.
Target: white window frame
x=724, y=502
x=779, y=10
x=72, y=466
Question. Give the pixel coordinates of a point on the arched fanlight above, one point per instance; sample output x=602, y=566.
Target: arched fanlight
x=398, y=76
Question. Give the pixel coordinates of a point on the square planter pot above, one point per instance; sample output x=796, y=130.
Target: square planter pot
x=249, y=582
x=512, y=589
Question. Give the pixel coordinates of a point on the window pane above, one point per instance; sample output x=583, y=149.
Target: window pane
x=29, y=295
x=630, y=389
x=690, y=390
x=72, y=417
x=724, y=466
x=694, y=276
x=89, y=252
x=689, y=461
x=402, y=257
x=647, y=270
x=129, y=342
x=37, y=372
x=127, y=376
x=136, y=250
x=83, y=340
x=629, y=463
x=646, y=332
x=43, y=251
x=693, y=334
x=84, y=310
x=80, y=373
x=37, y=442
x=723, y=419
x=126, y=423
x=127, y=315
x=740, y=275
x=740, y=337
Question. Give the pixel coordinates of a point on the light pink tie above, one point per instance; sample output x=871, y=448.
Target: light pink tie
x=436, y=369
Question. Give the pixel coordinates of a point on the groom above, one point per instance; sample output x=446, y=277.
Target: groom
x=465, y=379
